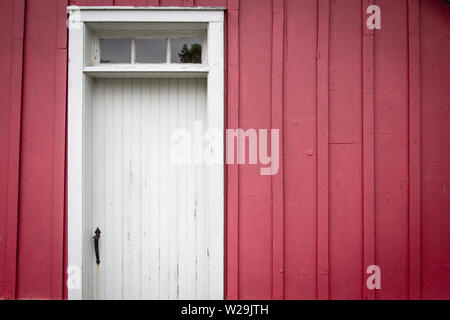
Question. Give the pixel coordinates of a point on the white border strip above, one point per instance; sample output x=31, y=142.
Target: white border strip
x=96, y=8
x=77, y=86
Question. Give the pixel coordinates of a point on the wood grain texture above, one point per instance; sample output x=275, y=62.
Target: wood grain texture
x=299, y=149
x=368, y=149
x=278, y=36
x=391, y=137
x=414, y=100
x=152, y=212
x=345, y=151
x=232, y=196
x=11, y=68
x=41, y=213
x=323, y=22
x=387, y=123
x=434, y=164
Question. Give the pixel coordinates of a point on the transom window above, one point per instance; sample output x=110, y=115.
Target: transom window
x=147, y=43
x=151, y=50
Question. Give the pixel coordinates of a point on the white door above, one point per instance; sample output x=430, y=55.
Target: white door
x=151, y=212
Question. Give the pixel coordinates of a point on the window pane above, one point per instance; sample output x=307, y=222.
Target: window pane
x=186, y=50
x=151, y=50
x=115, y=50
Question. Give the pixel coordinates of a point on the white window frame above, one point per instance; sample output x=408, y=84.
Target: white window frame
x=79, y=87
x=170, y=32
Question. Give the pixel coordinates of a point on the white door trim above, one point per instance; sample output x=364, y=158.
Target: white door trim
x=79, y=91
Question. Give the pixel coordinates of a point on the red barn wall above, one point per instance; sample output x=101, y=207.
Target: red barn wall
x=364, y=172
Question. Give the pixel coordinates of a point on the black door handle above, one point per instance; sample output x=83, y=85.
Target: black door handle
x=96, y=237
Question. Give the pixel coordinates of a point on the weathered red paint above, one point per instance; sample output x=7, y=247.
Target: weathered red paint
x=322, y=127
x=364, y=171
x=11, y=35
x=278, y=32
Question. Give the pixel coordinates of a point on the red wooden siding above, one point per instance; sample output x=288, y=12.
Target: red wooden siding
x=11, y=65
x=364, y=170
x=434, y=158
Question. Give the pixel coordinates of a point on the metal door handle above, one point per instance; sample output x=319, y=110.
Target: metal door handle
x=96, y=237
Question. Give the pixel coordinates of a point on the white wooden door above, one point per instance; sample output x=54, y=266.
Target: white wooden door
x=151, y=211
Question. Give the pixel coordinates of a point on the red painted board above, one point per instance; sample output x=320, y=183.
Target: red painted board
x=300, y=162
x=345, y=160
x=255, y=210
x=435, y=154
x=11, y=66
x=391, y=149
x=41, y=206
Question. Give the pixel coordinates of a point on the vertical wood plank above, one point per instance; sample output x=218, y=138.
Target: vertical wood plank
x=391, y=149
x=164, y=191
x=107, y=235
x=322, y=149
x=201, y=201
x=11, y=149
x=299, y=160
x=172, y=193
x=414, y=149
x=435, y=154
x=368, y=149
x=345, y=151
x=232, y=247
x=76, y=198
x=191, y=209
x=126, y=187
x=59, y=151
x=155, y=176
x=183, y=211
x=136, y=192
x=42, y=153
x=214, y=174
x=99, y=176
x=277, y=123
x=116, y=213
x=146, y=181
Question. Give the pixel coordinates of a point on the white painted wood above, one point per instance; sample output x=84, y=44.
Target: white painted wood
x=127, y=178
x=149, y=14
x=154, y=191
x=148, y=32
x=191, y=229
x=164, y=192
x=149, y=8
x=200, y=210
x=117, y=164
x=146, y=181
x=112, y=278
x=148, y=28
x=75, y=199
x=88, y=183
x=215, y=172
x=147, y=70
x=127, y=175
x=182, y=189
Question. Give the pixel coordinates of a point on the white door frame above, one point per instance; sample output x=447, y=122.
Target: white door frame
x=79, y=88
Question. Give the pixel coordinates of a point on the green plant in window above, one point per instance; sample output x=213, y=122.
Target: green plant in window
x=191, y=55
